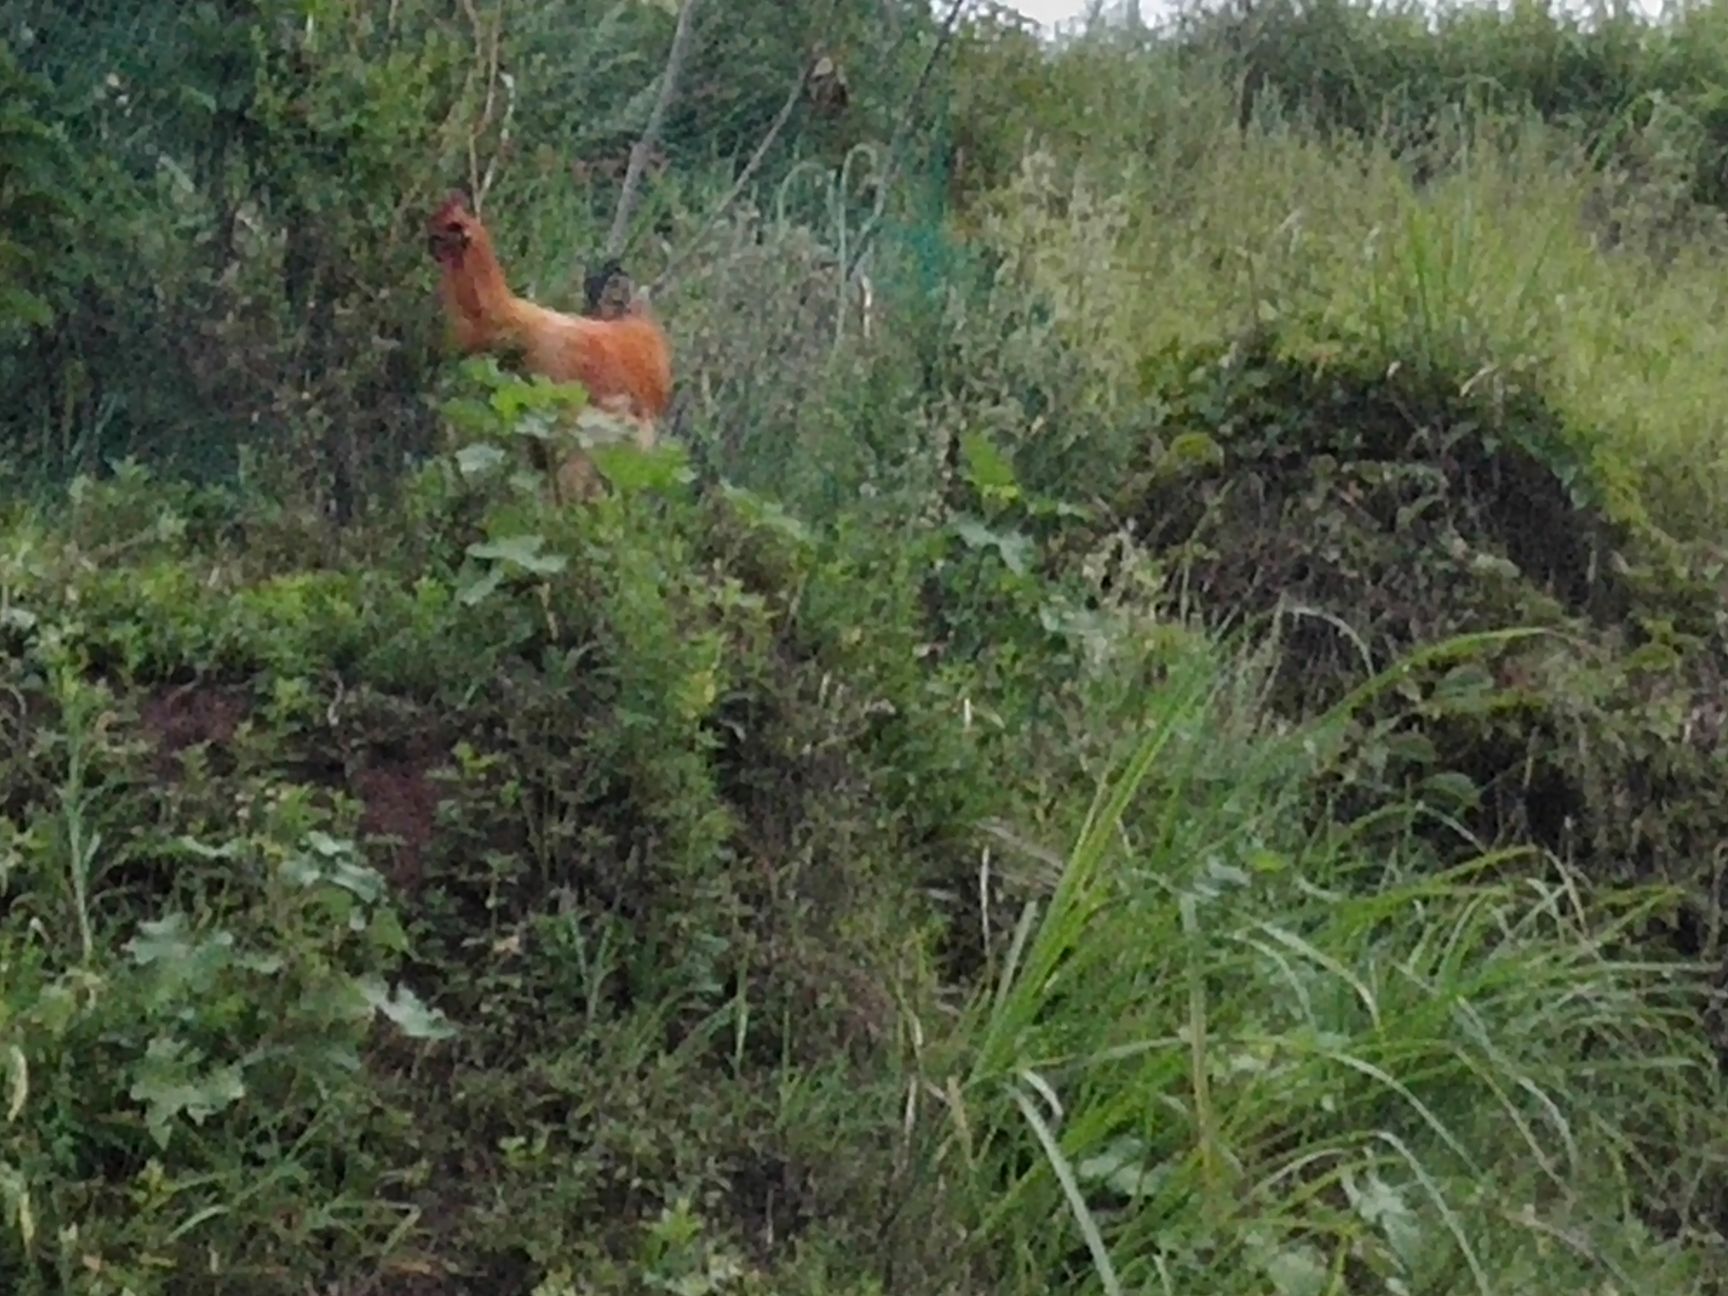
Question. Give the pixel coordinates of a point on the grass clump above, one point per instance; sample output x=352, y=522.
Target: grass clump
x=1240, y=1057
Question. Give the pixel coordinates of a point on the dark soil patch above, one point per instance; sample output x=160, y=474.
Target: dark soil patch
x=400, y=801
x=188, y=715
x=413, y=1282
x=1387, y=511
x=772, y=1202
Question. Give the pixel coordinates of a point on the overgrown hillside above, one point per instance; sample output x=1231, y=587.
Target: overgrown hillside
x=1154, y=724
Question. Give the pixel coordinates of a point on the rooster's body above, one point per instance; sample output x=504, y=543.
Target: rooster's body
x=623, y=361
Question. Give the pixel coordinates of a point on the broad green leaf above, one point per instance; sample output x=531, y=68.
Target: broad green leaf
x=470, y=416
x=18, y=1067
x=761, y=511
x=481, y=457
x=1121, y=1167
x=1193, y=449
x=1014, y=549
x=988, y=469
x=482, y=587
x=1384, y=1207
x=387, y=932
x=16, y=1191
x=522, y=550
x=1296, y=1271
x=1454, y=787
x=630, y=468
x=161, y=940
x=407, y=1010
x=322, y=843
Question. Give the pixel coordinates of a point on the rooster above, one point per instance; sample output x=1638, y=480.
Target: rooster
x=623, y=359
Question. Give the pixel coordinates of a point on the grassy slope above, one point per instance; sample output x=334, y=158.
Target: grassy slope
x=720, y=898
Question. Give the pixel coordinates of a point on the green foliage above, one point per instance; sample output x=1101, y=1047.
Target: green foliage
x=36, y=207
x=586, y=772
x=214, y=211
x=1640, y=91
x=1281, y=463
x=1231, y=1054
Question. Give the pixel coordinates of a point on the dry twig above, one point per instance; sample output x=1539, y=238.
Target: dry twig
x=651, y=132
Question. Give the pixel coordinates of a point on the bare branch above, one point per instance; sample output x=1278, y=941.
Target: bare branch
x=488, y=46
x=498, y=153
x=793, y=94
x=651, y=132
x=744, y=177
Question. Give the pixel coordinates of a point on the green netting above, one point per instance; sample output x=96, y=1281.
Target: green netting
x=238, y=265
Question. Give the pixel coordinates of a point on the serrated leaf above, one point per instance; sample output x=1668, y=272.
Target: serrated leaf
x=227, y=850
x=1059, y=508
x=358, y=879
x=1014, y=549
x=406, y=1009
x=1467, y=680
x=1066, y=619
x=973, y=532
x=483, y=369
x=168, y=1081
x=513, y=399
x=1120, y=1167
x=1383, y=1206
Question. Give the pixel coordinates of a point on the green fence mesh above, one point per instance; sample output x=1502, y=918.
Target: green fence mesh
x=211, y=210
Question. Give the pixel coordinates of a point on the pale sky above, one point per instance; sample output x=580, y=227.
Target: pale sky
x=1048, y=11
x=1053, y=11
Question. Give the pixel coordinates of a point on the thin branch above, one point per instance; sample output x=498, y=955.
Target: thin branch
x=503, y=139
x=651, y=132
x=793, y=94
x=678, y=263
x=488, y=53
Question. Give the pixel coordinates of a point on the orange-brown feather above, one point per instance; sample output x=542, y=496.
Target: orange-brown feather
x=625, y=363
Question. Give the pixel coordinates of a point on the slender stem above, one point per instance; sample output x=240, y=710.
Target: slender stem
x=651, y=132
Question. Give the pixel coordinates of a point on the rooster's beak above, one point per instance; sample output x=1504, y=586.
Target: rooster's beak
x=444, y=247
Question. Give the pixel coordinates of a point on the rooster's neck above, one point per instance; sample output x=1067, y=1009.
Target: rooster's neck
x=477, y=288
